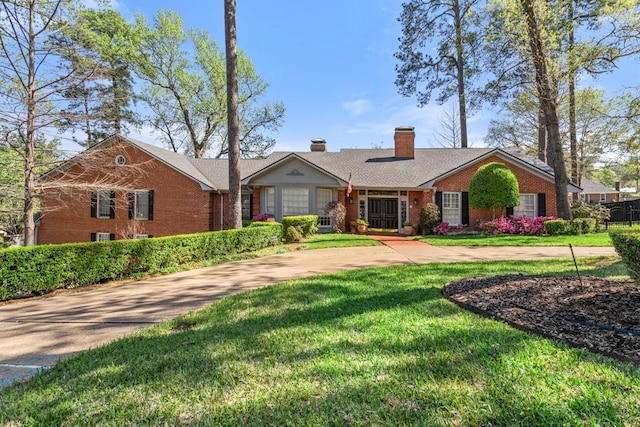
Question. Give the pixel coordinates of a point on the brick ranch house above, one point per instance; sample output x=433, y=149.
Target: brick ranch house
x=174, y=194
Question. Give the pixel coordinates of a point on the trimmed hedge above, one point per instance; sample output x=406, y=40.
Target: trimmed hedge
x=627, y=244
x=305, y=224
x=40, y=269
x=575, y=226
x=557, y=226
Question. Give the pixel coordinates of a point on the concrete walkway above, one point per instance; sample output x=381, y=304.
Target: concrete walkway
x=35, y=333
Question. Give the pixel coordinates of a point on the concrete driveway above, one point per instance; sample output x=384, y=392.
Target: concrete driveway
x=35, y=333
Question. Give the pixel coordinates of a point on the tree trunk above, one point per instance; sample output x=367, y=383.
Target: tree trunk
x=548, y=99
x=542, y=136
x=462, y=102
x=29, y=143
x=235, y=191
x=573, y=135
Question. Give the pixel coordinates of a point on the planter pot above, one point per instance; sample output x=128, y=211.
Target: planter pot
x=362, y=229
x=408, y=230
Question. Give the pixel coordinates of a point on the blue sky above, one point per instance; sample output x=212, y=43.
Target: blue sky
x=331, y=63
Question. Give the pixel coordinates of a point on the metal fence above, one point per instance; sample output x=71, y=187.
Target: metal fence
x=623, y=214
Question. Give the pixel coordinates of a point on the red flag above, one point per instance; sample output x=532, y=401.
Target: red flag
x=349, y=187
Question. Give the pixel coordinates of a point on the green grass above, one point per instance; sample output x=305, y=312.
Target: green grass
x=370, y=347
x=595, y=239
x=336, y=240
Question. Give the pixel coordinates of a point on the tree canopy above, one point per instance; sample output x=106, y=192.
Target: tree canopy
x=494, y=186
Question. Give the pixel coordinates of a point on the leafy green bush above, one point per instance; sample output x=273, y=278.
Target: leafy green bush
x=308, y=223
x=600, y=213
x=627, y=244
x=494, y=186
x=293, y=234
x=583, y=225
x=429, y=217
x=41, y=269
x=557, y=226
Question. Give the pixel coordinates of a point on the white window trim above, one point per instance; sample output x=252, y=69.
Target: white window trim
x=269, y=205
x=140, y=236
x=304, y=210
x=603, y=197
x=135, y=205
x=518, y=213
x=458, y=209
x=105, y=194
x=103, y=237
x=324, y=220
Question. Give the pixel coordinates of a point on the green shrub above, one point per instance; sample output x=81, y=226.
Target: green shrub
x=627, y=244
x=580, y=209
x=494, y=186
x=293, y=234
x=429, y=217
x=557, y=226
x=308, y=223
x=41, y=269
x=583, y=225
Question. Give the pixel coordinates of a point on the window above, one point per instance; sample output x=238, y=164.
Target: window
x=103, y=204
x=141, y=205
x=102, y=237
x=295, y=201
x=527, y=206
x=451, y=208
x=246, y=208
x=269, y=201
x=141, y=236
x=603, y=197
x=323, y=197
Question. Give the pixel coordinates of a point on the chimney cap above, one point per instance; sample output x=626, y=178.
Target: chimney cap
x=318, y=141
x=405, y=129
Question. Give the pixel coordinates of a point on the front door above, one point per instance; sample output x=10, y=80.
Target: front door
x=383, y=213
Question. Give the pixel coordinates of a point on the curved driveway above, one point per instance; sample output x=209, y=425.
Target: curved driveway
x=35, y=333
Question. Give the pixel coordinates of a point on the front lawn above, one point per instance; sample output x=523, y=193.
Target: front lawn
x=370, y=347
x=336, y=240
x=594, y=239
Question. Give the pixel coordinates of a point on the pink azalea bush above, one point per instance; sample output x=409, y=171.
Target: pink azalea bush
x=442, y=228
x=262, y=217
x=530, y=226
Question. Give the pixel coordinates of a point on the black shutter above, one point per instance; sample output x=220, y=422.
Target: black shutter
x=150, y=236
x=93, y=237
x=439, y=204
x=542, y=204
x=150, y=205
x=509, y=210
x=132, y=202
x=465, y=208
x=94, y=204
x=112, y=205
x=112, y=236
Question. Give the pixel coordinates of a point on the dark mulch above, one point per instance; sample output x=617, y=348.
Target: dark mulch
x=600, y=315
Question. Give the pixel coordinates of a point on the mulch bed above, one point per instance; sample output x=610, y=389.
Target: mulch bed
x=600, y=315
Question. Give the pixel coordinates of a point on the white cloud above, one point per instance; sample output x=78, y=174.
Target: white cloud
x=358, y=107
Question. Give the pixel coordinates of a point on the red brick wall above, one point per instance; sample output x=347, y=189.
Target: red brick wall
x=180, y=206
x=527, y=182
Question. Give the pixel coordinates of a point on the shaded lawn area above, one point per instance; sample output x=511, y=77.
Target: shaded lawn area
x=370, y=347
x=594, y=239
x=336, y=240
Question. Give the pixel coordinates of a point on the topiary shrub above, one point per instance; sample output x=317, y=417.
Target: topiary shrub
x=429, y=217
x=293, y=234
x=308, y=223
x=493, y=186
x=557, y=226
x=627, y=244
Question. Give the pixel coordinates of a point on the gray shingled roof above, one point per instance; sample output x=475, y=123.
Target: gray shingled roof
x=594, y=187
x=377, y=168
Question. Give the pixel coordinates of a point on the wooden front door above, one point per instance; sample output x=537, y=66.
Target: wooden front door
x=383, y=213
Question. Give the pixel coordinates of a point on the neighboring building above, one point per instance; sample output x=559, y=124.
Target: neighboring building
x=174, y=194
x=592, y=192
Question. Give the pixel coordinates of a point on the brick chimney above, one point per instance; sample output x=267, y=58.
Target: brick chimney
x=318, y=145
x=404, y=138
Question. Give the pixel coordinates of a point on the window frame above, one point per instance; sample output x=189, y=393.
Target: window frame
x=296, y=208
x=324, y=220
x=104, y=201
x=269, y=195
x=447, y=210
x=521, y=212
x=135, y=205
x=100, y=237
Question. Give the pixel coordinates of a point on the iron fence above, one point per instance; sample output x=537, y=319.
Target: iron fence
x=623, y=214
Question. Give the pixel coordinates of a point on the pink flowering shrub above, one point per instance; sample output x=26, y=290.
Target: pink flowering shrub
x=530, y=226
x=442, y=228
x=262, y=217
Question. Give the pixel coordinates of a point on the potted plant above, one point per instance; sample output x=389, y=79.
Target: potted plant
x=361, y=226
x=407, y=228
